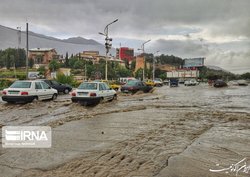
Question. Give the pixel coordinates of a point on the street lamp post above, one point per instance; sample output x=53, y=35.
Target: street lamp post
x=108, y=45
x=154, y=64
x=142, y=47
x=18, y=46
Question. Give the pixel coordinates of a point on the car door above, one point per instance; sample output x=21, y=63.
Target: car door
x=48, y=93
x=109, y=92
x=102, y=91
x=39, y=90
x=144, y=87
x=57, y=86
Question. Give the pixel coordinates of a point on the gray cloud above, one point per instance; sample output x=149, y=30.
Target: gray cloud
x=203, y=24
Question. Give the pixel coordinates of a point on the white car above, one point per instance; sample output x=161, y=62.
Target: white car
x=27, y=90
x=90, y=93
x=158, y=82
x=191, y=82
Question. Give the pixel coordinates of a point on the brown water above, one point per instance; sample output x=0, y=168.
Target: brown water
x=183, y=131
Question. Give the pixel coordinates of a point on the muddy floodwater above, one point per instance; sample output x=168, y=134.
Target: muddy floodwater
x=190, y=131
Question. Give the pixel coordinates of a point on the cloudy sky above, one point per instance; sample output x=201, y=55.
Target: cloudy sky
x=216, y=29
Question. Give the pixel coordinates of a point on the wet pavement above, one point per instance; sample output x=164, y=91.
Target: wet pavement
x=183, y=131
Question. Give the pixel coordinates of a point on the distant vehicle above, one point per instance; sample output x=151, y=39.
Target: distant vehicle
x=242, y=83
x=91, y=93
x=125, y=80
x=181, y=81
x=220, y=83
x=58, y=86
x=173, y=82
x=112, y=84
x=26, y=91
x=135, y=86
x=158, y=82
x=149, y=83
x=115, y=85
x=34, y=75
x=166, y=82
x=191, y=82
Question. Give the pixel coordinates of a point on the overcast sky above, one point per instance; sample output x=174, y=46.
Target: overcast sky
x=216, y=29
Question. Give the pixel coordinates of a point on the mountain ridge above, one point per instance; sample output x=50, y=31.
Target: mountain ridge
x=72, y=45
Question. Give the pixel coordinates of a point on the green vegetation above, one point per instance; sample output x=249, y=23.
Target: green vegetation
x=12, y=58
x=245, y=76
x=54, y=65
x=206, y=73
x=20, y=74
x=60, y=77
x=5, y=83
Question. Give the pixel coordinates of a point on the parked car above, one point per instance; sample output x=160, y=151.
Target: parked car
x=158, y=82
x=149, y=83
x=27, y=90
x=191, y=82
x=242, y=83
x=58, y=86
x=115, y=85
x=112, y=84
x=173, y=82
x=166, y=82
x=135, y=86
x=220, y=83
x=91, y=93
x=181, y=81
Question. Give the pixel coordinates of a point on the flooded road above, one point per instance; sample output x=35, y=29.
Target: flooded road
x=183, y=131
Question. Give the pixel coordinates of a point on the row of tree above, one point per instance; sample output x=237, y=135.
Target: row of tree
x=12, y=58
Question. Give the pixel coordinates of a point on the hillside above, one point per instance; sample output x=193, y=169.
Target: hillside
x=9, y=38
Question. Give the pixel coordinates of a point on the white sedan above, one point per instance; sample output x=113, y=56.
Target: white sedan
x=27, y=91
x=191, y=82
x=91, y=93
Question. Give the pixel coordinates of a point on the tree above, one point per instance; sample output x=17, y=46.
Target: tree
x=10, y=57
x=53, y=65
x=139, y=73
x=67, y=60
x=31, y=63
x=41, y=70
x=133, y=65
x=245, y=76
x=126, y=63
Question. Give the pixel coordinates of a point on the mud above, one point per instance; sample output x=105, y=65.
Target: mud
x=184, y=131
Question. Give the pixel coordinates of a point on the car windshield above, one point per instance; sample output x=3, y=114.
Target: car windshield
x=88, y=86
x=131, y=83
x=19, y=84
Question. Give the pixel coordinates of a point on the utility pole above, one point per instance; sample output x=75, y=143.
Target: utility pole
x=108, y=46
x=154, y=64
x=27, y=49
x=143, y=71
x=18, y=45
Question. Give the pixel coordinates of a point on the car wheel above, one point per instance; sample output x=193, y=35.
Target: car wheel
x=66, y=91
x=114, y=97
x=54, y=97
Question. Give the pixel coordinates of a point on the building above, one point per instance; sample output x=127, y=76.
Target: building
x=166, y=67
x=42, y=56
x=124, y=53
x=139, y=63
x=91, y=56
x=183, y=74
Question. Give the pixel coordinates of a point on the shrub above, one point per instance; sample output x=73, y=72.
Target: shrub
x=60, y=77
x=5, y=83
